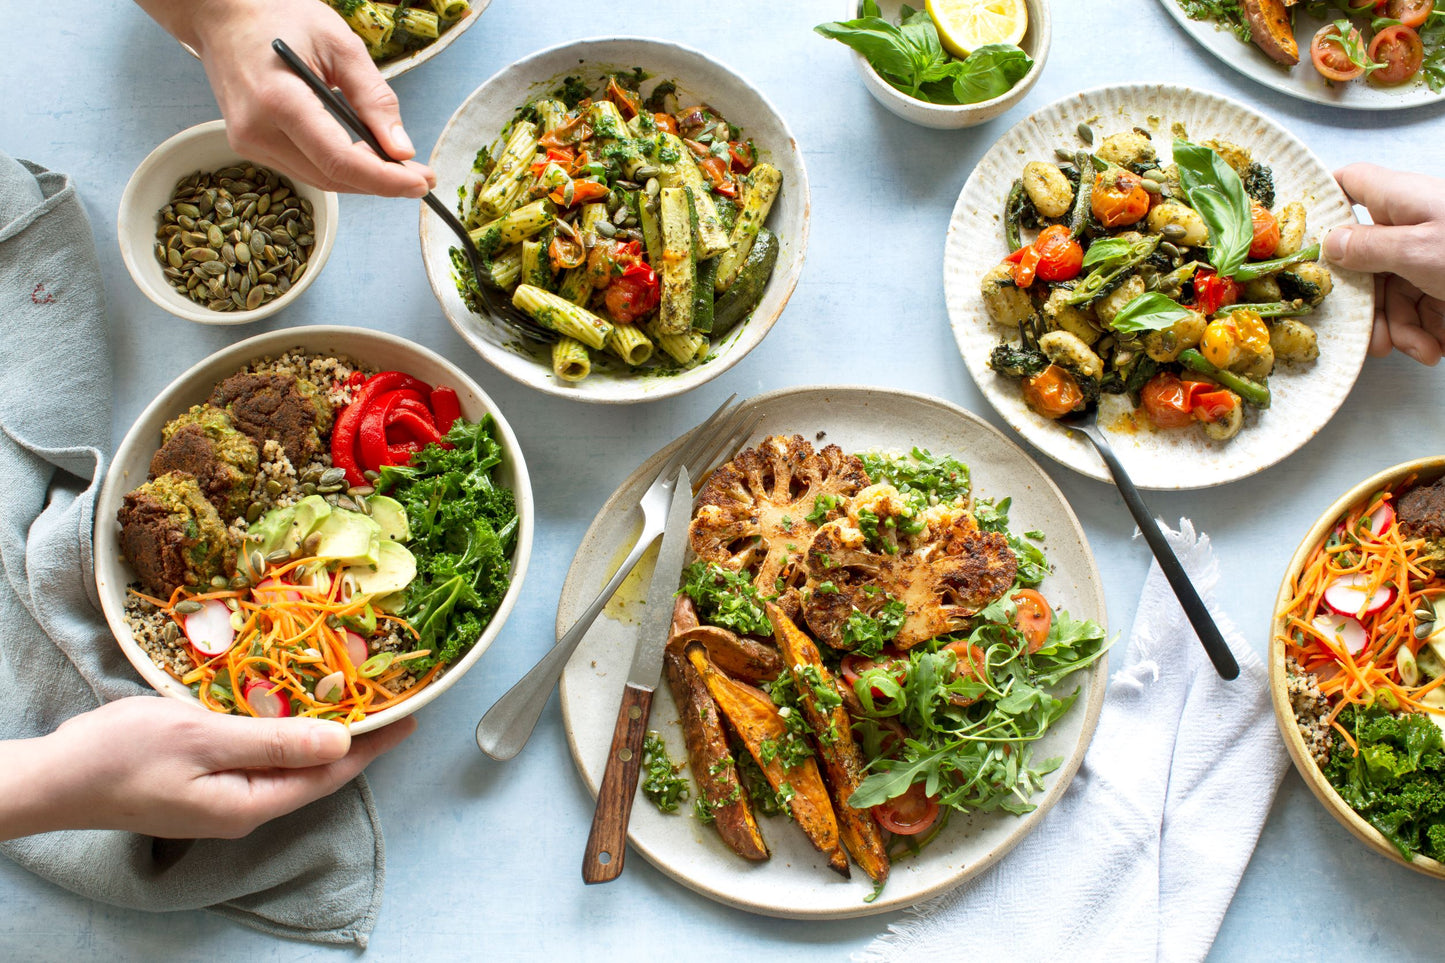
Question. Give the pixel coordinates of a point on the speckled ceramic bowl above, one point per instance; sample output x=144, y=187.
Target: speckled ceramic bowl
x=132, y=459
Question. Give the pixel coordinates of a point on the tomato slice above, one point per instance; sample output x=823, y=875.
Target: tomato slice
x=854, y=665
x=1402, y=52
x=1053, y=392
x=1033, y=619
x=1266, y=232
x=1168, y=401
x=909, y=814
x=1327, y=53
x=1211, y=406
x=1060, y=256
x=1412, y=13
x=969, y=664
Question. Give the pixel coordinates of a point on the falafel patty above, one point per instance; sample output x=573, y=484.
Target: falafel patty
x=172, y=535
x=291, y=410
x=203, y=443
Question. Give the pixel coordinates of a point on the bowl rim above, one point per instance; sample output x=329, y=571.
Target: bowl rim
x=239, y=353
x=1427, y=469
x=685, y=381
x=327, y=216
x=1043, y=41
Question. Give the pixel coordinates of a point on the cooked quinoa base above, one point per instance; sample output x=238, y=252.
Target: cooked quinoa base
x=1311, y=710
x=278, y=484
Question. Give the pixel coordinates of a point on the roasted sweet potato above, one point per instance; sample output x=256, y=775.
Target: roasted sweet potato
x=1272, y=30
x=755, y=719
x=712, y=764
x=842, y=760
x=744, y=659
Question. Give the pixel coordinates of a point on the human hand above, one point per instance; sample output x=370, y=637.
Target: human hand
x=1405, y=249
x=154, y=766
x=272, y=117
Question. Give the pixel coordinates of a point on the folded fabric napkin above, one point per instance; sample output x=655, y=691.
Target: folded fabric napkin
x=316, y=874
x=1141, y=856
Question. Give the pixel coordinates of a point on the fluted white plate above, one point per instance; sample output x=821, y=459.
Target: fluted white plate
x=1304, y=397
x=796, y=882
x=1301, y=80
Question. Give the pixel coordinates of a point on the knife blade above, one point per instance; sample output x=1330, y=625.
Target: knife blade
x=607, y=841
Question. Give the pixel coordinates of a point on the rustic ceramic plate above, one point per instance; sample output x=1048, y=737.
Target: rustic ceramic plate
x=384, y=351
x=1426, y=470
x=1304, y=398
x=699, y=78
x=1302, y=80
x=796, y=882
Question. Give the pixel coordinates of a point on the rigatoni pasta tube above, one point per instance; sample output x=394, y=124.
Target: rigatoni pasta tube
x=561, y=315
x=366, y=20
x=517, y=226
x=451, y=9
x=514, y=162
x=688, y=348
x=418, y=23
x=570, y=361
x=629, y=343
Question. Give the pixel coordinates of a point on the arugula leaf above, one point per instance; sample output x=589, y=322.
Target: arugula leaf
x=1149, y=312
x=1106, y=249
x=1215, y=191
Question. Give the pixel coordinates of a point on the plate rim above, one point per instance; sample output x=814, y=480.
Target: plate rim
x=954, y=303
x=1094, y=687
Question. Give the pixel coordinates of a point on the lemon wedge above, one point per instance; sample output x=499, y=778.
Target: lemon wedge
x=966, y=25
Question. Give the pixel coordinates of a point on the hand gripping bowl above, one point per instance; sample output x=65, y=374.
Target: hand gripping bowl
x=382, y=351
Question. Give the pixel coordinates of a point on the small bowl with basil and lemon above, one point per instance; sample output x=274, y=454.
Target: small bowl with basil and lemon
x=952, y=64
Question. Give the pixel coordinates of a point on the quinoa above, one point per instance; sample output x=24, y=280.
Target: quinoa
x=158, y=635
x=1311, y=710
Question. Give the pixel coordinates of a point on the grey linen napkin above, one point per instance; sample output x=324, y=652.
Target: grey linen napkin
x=316, y=874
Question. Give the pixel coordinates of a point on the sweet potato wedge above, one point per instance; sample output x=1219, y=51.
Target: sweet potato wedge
x=755, y=719
x=1272, y=30
x=712, y=764
x=741, y=658
x=842, y=760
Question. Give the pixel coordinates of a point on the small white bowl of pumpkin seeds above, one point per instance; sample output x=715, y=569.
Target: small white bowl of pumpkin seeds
x=217, y=239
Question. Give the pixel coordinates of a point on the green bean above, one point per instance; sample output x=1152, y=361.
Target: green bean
x=1259, y=269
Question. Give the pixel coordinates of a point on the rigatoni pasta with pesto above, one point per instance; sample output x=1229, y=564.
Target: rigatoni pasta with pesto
x=394, y=29
x=630, y=226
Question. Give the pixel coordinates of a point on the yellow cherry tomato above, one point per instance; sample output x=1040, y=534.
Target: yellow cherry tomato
x=1237, y=334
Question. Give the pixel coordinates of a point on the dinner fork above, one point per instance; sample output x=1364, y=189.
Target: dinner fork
x=508, y=724
x=499, y=309
x=1087, y=423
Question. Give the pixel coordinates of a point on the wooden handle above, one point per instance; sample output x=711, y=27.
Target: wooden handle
x=607, y=842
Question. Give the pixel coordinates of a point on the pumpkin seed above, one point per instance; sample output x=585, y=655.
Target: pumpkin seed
x=1168, y=248
x=258, y=564
x=1064, y=154
x=332, y=476
x=1173, y=232
x=606, y=229
x=1423, y=630
x=652, y=187
x=238, y=621
x=1086, y=134
x=360, y=491
x=172, y=633
x=233, y=605
x=254, y=298
x=187, y=607
x=278, y=556
x=1151, y=186
x=311, y=543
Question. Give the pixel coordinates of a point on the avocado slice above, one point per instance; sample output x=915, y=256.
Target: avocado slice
x=308, y=513
x=394, y=569
x=348, y=537
x=388, y=513
x=270, y=529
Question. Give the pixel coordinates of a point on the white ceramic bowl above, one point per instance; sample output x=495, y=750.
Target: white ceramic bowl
x=131, y=464
x=954, y=116
x=397, y=66
x=204, y=148
x=479, y=120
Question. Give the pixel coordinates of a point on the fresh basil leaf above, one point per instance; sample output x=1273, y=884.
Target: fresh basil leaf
x=1149, y=312
x=1215, y=191
x=880, y=43
x=1106, y=249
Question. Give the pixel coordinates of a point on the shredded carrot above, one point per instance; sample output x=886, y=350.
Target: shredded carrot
x=290, y=637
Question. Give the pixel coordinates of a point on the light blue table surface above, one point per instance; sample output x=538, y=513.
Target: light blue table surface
x=483, y=858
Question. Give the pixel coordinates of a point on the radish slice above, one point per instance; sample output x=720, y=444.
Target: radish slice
x=356, y=648
x=1344, y=630
x=1350, y=595
x=330, y=688
x=209, y=630
x=267, y=701
x=1381, y=519
x=275, y=590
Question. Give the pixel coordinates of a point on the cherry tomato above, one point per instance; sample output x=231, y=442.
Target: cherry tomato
x=1400, y=49
x=1213, y=405
x=626, y=103
x=1167, y=401
x=741, y=152
x=629, y=298
x=1060, y=256
x=715, y=169
x=1327, y=52
x=909, y=814
x=1053, y=392
x=1266, y=232
x=969, y=665
x=1033, y=618
x=1239, y=334
x=1119, y=198
x=1212, y=292
x=1025, y=265
x=666, y=122
x=1412, y=13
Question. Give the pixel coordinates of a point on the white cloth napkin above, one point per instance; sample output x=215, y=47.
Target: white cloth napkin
x=1140, y=858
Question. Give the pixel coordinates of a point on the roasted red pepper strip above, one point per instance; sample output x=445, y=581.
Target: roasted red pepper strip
x=446, y=406
x=418, y=427
x=374, y=454
x=348, y=424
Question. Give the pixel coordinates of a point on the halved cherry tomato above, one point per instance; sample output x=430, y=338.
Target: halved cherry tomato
x=1168, y=401
x=1119, y=198
x=1211, y=406
x=1327, y=52
x=715, y=169
x=969, y=664
x=1401, y=50
x=666, y=122
x=1412, y=13
x=741, y=152
x=626, y=105
x=566, y=253
x=1033, y=618
x=1060, y=256
x=1053, y=392
x=854, y=665
x=572, y=132
x=1266, y=231
x=583, y=192
x=1025, y=265
x=563, y=157
x=631, y=297
x=1212, y=292
x=909, y=814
